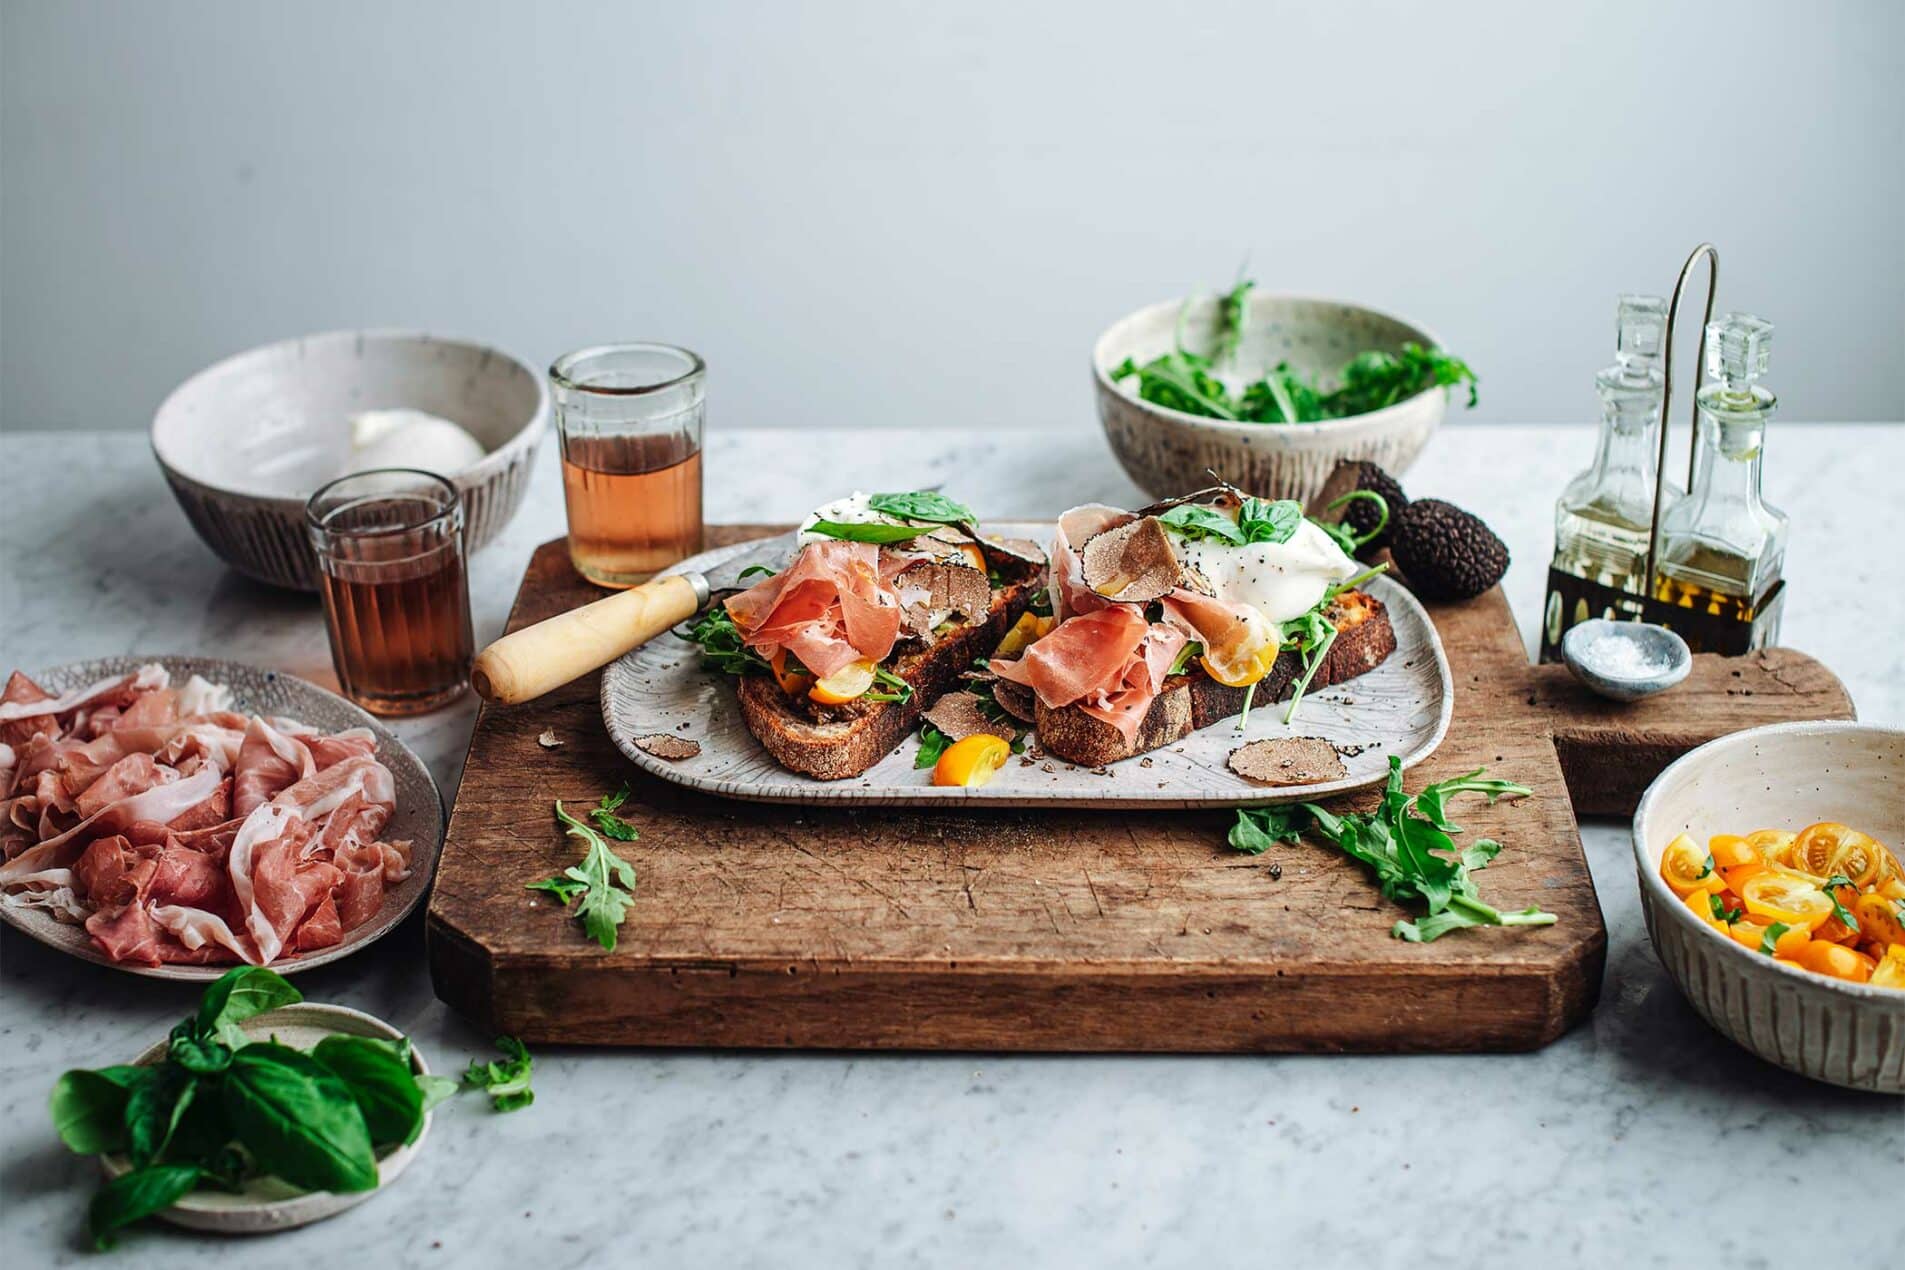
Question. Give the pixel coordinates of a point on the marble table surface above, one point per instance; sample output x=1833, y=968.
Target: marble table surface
x=1642, y=1136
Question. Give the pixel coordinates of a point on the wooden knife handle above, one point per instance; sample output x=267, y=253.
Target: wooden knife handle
x=524, y=664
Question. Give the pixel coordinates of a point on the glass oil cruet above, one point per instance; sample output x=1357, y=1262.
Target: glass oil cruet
x=1603, y=519
x=1722, y=546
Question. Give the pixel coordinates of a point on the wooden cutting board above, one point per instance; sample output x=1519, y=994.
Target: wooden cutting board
x=764, y=925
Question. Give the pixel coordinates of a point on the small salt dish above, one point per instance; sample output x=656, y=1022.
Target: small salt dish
x=1625, y=661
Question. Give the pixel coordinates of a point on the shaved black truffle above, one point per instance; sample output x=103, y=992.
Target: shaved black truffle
x=1445, y=552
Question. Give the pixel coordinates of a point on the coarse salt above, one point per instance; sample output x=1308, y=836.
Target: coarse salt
x=1620, y=656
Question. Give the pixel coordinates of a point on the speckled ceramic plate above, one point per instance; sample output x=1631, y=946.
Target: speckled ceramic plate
x=419, y=814
x=266, y=1203
x=1402, y=707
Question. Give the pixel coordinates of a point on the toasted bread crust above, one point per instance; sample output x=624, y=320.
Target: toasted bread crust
x=1189, y=702
x=838, y=748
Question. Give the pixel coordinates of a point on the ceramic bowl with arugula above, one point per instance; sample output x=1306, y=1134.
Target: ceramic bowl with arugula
x=1271, y=390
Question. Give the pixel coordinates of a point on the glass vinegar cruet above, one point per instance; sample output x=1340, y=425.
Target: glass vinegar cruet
x=1722, y=546
x=1604, y=517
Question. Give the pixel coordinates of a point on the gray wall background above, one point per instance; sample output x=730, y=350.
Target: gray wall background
x=883, y=213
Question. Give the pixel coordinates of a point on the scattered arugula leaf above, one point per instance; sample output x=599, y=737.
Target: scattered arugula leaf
x=1769, y=942
x=1040, y=602
x=721, y=644
x=506, y=1079
x=929, y=505
x=897, y=689
x=1191, y=651
x=932, y=743
x=607, y=881
x=1406, y=844
x=874, y=531
x=612, y=825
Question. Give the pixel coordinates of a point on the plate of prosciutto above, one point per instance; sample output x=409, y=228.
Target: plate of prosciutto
x=174, y=816
x=1215, y=650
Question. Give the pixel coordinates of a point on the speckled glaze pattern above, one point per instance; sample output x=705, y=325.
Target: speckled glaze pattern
x=297, y=397
x=267, y=1204
x=1785, y=776
x=1168, y=452
x=255, y=690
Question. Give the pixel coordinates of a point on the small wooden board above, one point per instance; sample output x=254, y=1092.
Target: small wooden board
x=761, y=925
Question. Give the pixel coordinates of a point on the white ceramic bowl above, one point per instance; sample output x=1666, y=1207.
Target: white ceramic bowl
x=245, y=442
x=1785, y=775
x=1167, y=451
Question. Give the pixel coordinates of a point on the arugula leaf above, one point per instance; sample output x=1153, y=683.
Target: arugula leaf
x=1262, y=520
x=1040, y=604
x=1831, y=888
x=1344, y=532
x=875, y=531
x=1193, y=521
x=563, y=887
x=298, y=1120
x=923, y=505
x=932, y=743
x=1406, y=846
x=899, y=689
x=130, y=1197
x=612, y=825
x=1177, y=381
x=608, y=882
x=89, y=1107
x=1191, y=651
x=1769, y=942
x=1233, y=312
x=506, y=1079
x=721, y=644
x=753, y=569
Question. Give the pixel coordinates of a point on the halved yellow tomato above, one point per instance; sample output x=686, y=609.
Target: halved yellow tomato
x=1028, y=630
x=848, y=683
x=1890, y=971
x=1730, y=851
x=1828, y=848
x=1779, y=896
x=1244, y=671
x=1834, y=960
x=1771, y=843
x=1880, y=919
x=791, y=679
x=1685, y=866
x=971, y=762
x=1700, y=901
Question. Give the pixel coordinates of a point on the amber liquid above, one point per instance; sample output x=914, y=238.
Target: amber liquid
x=634, y=505
x=400, y=629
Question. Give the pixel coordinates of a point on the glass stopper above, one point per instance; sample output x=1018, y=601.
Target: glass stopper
x=1739, y=348
x=1639, y=325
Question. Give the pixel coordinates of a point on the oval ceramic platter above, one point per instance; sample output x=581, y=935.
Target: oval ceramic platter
x=1402, y=707
x=266, y=1203
x=255, y=690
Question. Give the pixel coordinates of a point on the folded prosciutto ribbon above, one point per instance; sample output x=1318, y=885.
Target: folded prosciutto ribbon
x=829, y=608
x=177, y=830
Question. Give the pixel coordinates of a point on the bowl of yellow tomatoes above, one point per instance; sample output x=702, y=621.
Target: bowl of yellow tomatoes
x=1771, y=884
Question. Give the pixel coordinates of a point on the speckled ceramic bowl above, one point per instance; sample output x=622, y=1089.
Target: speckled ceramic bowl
x=267, y=1204
x=243, y=443
x=1167, y=451
x=1787, y=775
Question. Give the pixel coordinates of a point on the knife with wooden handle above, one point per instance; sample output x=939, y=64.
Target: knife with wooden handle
x=525, y=664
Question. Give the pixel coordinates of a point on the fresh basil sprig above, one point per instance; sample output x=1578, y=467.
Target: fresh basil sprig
x=1769, y=942
x=1839, y=910
x=871, y=531
x=929, y=505
x=1195, y=522
x=1269, y=521
x=1406, y=844
x=221, y=1108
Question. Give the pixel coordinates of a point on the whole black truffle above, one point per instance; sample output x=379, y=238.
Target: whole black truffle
x=1362, y=514
x=1446, y=553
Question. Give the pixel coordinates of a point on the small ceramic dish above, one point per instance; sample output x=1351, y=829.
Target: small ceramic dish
x=419, y=814
x=244, y=442
x=1625, y=661
x=1167, y=451
x=266, y=1203
x=1785, y=775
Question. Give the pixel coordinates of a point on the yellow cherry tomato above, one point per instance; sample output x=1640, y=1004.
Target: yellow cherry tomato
x=1890, y=970
x=848, y=683
x=1028, y=630
x=1685, y=866
x=1771, y=843
x=1881, y=919
x=1748, y=933
x=1778, y=896
x=974, y=557
x=792, y=679
x=1730, y=851
x=1243, y=668
x=1700, y=901
x=1828, y=848
x=971, y=762
x=1736, y=876
x=1834, y=960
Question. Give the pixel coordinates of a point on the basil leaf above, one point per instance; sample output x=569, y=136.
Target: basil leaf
x=1269, y=522
x=153, y=1110
x=1192, y=521
x=239, y=995
x=298, y=1120
x=380, y=1081
x=1769, y=942
x=89, y=1107
x=1831, y=888
x=135, y=1195
x=196, y=1054
x=875, y=532
x=923, y=505
x=435, y=1089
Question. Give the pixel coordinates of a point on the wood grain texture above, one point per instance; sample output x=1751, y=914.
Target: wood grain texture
x=758, y=925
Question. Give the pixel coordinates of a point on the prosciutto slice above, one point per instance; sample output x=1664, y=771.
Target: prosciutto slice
x=178, y=831
x=1109, y=662
x=829, y=608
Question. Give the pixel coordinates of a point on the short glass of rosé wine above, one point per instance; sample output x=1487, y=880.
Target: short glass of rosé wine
x=629, y=419
x=396, y=594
